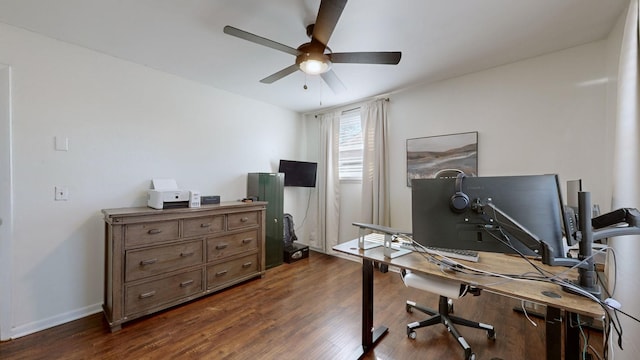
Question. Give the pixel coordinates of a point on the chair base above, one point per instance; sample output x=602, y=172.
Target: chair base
x=443, y=316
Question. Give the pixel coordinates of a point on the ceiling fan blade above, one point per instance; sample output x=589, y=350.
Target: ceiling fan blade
x=334, y=83
x=389, y=57
x=328, y=16
x=260, y=40
x=280, y=74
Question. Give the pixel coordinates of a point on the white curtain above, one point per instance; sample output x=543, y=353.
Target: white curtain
x=329, y=182
x=626, y=180
x=375, y=166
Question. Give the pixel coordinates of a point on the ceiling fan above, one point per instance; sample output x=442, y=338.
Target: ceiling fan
x=315, y=57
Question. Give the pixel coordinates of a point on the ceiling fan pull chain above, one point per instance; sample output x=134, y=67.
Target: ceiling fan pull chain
x=320, y=93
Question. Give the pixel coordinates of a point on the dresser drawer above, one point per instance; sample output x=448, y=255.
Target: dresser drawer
x=146, y=262
x=223, y=246
x=242, y=220
x=203, y=225
x=155, y=293
x=149, y=233
x=231, y=270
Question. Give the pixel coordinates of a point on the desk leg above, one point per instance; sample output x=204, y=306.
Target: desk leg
x=553, y=333
x=370, y=337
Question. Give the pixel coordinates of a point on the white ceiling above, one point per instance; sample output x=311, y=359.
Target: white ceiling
x=438, y=38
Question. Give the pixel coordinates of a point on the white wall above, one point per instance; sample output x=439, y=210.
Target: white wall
x=6, y=205
x=622, y=273
x=537, y=116
x=126, y=124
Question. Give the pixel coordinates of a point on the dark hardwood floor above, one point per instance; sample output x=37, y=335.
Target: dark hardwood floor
x=306, y=310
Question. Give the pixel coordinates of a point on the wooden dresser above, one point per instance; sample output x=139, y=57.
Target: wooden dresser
x=155, y=259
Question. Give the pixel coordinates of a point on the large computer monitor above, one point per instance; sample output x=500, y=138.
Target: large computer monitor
x=523, y=211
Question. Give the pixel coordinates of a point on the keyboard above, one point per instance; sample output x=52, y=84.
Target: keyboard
x=469, y=255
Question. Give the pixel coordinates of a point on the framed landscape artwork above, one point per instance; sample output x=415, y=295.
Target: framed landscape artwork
x=442, y=156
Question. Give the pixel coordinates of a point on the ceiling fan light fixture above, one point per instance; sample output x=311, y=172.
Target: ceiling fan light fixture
x=315, y=67
x=313, y=63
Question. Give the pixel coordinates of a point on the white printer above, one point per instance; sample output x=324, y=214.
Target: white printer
x=166, y=195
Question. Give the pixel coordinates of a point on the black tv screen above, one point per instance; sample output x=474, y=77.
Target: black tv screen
x=298, y=173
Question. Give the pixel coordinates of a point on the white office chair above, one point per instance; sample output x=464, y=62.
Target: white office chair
x=447, y=290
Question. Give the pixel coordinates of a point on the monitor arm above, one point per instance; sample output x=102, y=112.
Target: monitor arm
x=619, y=222
x=603, y=226
x=523, y=235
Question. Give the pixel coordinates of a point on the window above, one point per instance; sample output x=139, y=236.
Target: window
x=350, y=146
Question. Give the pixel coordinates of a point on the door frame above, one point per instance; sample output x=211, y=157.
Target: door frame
x=6, y=205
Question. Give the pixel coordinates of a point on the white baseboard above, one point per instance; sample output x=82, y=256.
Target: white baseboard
x=56, y=320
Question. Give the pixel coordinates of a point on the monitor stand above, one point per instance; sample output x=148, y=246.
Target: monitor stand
x=366, y=245
x=389, y=251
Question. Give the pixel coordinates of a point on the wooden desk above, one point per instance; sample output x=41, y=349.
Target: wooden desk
x=555, y=299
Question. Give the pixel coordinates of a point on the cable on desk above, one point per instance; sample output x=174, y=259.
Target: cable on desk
x=426, y=255
x=617, y=325
x=611, y=318
x=543, y=276
x=459, y=267
x=605, y=249
x=585, y=341
x=507, y=241
x=524, y=310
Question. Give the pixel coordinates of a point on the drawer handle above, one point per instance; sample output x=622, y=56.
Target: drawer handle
x=221, y=246
x=205, y=225
x=247, y=240
x=148, y=262
x=147, y=295
x=154, y=231
x=247, y=264
x=186, y=283
x=186, y=254
x=244, y=219
x=221, y=273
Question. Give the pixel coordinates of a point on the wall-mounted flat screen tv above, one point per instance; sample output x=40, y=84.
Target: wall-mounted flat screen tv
x=299, y=173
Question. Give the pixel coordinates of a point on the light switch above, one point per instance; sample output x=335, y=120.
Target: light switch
x=62, y=143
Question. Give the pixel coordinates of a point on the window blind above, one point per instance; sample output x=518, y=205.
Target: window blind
x=350, y=146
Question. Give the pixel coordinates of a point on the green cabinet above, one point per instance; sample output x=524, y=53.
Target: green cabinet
x=270, y=187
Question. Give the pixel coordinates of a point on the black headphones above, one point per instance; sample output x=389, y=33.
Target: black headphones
x=459, y=201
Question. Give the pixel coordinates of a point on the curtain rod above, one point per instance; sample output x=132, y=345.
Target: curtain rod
x=352, y=109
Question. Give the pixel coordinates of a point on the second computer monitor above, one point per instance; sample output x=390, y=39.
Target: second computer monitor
x=533, y=201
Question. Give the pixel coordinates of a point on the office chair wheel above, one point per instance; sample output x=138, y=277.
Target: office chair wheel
x=471, y=356
x=491, y=334
x=411, y=334
x=409, y=308
x=450, y=306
